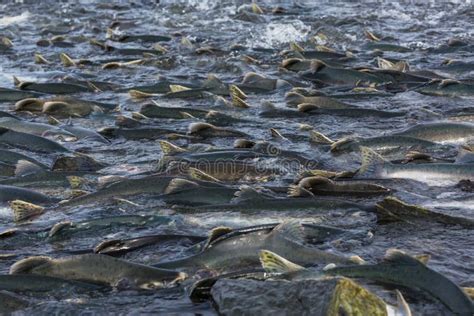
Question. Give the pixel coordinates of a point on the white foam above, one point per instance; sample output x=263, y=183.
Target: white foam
x=280, y=33
x=8, y=20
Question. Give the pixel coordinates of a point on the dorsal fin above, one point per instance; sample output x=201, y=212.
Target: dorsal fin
x=24, y=210
x=17, y=82
x=170, y=149
x=398, y=257
x=137, y=94
x=236, y=92
x=291, y=230
x=58, y=227
x=273, y=263
x=372, y=163
x=179, y=184
x=200, y=126
x=39, y=59
x=25, y=266
x=216, y=233
x=239, y=103
x=66, y=60
x=423, y=258
x=319, y=138
x=316, y=65
x=276, y=134
x=178, y=88
x=24, y=167
x=197, y=174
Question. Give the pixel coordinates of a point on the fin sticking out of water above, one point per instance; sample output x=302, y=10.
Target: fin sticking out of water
x=66, y=60
x=139, y=94
x=291, y=230
x=296, y=47
x=25, y=266
x=273, y=263
x=372, y=163
x=178, y=184
x=319, y=138
x=76, y=182
x=197, y=174
x=236, y=92
x=17, y=82
x=216, y=233
x=170, y=149
x=177, y=88
x=24, y=167
x=316, y=65
x=39, y=59
x=239, y=103
x=402, y=305
x=398, y=257
x=58, y=227
x=276, y=134
x=23, y=210
x=469, y=292
x=424, y=258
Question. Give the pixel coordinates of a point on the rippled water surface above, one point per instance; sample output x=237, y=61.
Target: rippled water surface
x=234, y=42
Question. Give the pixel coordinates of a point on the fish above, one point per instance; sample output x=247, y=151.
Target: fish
x=10, y=193
x=34, y=128
x=401, y=269
x=97, y=268
x=322, y=72
x=148, y=184
x=12, y=95
x=30, y=142
x=142, y=132
x=228, y=251
x=155, y=111
x=447, y=88
x=39, y=283
x=63, y=106
x=443, y=132
x=114, y=247
x=318, y=185
x=68, y=229
x=51, y=88
x=250, y=200
x=376, y=167
x=207, y=130
x=383, y=144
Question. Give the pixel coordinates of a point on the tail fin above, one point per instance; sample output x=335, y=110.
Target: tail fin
x=319, y=138
x=403, y=307
x=26, y=265
x=170, y=149
x=197, y=174
x=273, y=263
x=23, y=210
x=66, y=60
x=372, y=163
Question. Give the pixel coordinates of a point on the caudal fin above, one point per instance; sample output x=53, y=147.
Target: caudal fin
x=273, y=263
x=372, y=163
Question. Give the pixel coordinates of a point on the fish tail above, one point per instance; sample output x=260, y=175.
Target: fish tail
x=273, y=263
x=372, y=163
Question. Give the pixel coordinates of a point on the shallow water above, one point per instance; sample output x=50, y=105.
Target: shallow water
x=417, y=25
